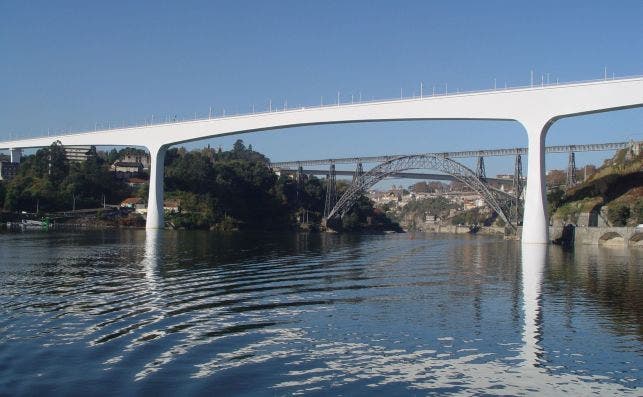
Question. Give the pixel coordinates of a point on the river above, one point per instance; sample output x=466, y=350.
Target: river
x=197, y=313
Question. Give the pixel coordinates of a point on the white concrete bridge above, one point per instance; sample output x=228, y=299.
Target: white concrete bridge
x=536, y=108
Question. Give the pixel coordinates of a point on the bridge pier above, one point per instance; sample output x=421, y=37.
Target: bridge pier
x=535, y=225
x=571, y=170
x=155, y=195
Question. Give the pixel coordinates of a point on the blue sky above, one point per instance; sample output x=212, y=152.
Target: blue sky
x=70, y=64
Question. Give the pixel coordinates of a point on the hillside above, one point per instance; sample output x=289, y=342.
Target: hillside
x=615, y=192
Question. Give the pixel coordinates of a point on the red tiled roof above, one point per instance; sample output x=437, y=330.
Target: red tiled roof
x=132, y=200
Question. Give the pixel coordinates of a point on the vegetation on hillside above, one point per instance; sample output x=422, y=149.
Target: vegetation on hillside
x=212, y=189
x=47, y=182
x=617, y=185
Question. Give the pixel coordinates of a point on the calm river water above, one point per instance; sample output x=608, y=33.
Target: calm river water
x=197, y=313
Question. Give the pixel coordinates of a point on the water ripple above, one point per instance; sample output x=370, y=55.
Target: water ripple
x=299, y=314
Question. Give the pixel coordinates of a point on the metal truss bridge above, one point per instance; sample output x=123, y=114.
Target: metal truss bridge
x=591, y=147
x=395, y=175
x=508, y=207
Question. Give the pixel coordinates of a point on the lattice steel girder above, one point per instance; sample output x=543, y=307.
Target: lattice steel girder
x=498, y=201
x=481, y=173
x=461, y=154
x=571, y=170
x=331, y=191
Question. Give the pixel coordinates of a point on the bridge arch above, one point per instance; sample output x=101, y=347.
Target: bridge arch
x=611, y=238
x=636, y=240
x=497, y=200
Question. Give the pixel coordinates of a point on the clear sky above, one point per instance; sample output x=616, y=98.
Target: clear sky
x=70, y=64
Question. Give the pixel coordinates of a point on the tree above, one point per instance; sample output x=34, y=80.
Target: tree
x=618, y=214
x=556, y=178
x=3, y=192
x=238, y=146
x=638, y=211
x=554, y=199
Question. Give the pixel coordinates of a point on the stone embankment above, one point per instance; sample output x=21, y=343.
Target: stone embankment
x=455, y=229
x=608, y=236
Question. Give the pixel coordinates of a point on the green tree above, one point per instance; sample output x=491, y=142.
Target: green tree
x=3, y=193
x=554, y=199
x=238, y=146
x=618, y=214
x=638, y=211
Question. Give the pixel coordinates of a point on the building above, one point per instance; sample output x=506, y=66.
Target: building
x=8, y=170
x=132, y=202
x=142, y=158
x=126, y=170
x=172, y=206
x=136, y=182
x=77, y=153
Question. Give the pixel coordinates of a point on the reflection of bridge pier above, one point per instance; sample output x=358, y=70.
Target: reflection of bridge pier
x=152, y=260
x=533, y=264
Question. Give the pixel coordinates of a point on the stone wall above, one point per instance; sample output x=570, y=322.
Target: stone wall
x=612, y=236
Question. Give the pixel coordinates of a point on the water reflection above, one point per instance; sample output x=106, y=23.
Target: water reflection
x=533, y=265
x=188, y=312
x=152, y=260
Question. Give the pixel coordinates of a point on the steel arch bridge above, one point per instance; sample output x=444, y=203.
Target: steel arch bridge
x=498, y=201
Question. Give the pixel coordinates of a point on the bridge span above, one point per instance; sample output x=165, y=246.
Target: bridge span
x=397, y=175
x=589, y=147
x=536, y=108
